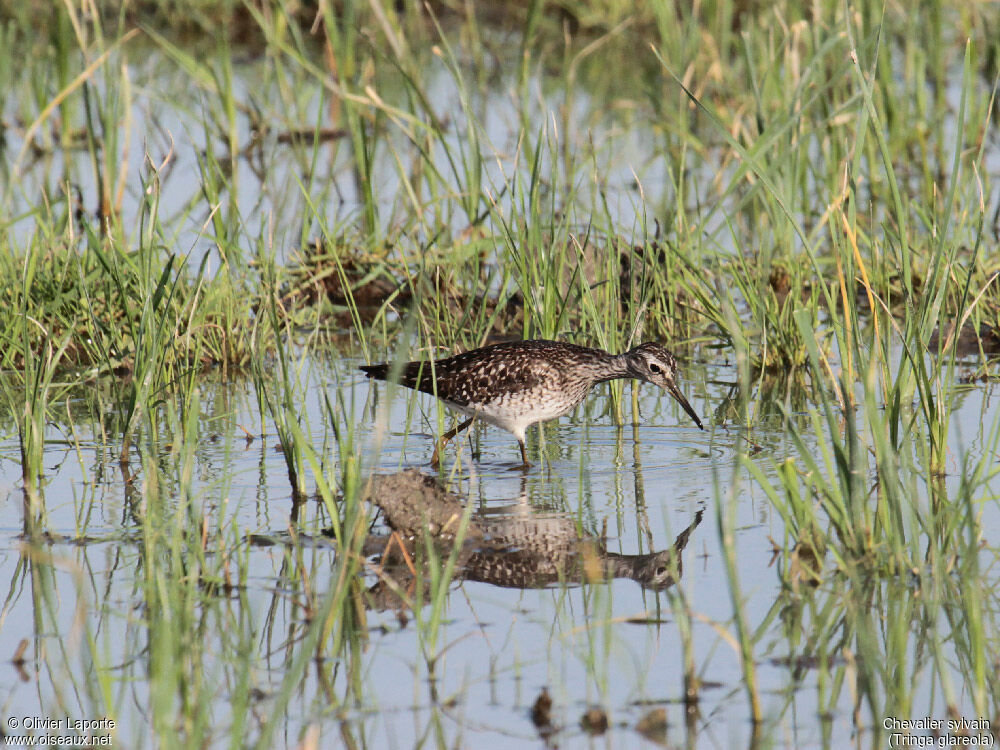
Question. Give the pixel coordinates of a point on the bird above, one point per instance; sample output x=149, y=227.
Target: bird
x=516, y=384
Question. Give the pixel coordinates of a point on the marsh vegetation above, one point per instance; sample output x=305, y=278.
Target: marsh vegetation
x=214, y=212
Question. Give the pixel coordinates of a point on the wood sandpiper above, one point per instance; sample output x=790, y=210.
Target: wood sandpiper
x=516, y=384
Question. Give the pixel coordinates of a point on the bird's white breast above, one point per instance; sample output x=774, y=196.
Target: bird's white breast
x=515, y=414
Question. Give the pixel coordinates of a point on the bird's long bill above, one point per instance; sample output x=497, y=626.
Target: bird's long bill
x=674, y=391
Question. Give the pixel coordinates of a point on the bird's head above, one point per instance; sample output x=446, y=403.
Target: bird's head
x=654, y=364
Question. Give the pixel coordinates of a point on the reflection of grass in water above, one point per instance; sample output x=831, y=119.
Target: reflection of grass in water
x=821, y=205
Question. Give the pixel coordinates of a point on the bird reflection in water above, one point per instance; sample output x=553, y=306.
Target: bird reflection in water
x=516, y=548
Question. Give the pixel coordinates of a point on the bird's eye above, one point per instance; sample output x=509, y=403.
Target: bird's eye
x=653, y=367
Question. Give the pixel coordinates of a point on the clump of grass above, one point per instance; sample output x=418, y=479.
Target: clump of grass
x=30, y=389
x=95, y=297
x=282, y=406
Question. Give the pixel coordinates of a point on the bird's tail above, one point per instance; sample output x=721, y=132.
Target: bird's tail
x=378, y=372
x=412, y=375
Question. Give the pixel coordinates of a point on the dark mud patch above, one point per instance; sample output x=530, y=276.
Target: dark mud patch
x=971, y=341
x=361, y=286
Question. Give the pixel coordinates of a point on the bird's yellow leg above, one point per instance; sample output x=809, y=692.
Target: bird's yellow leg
x=396, y=539
x=436, y=456
x=524, y=455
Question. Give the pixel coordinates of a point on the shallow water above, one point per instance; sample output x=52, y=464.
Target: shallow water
x=472, y=683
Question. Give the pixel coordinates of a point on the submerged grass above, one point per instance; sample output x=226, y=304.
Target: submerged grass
x=815, y=199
